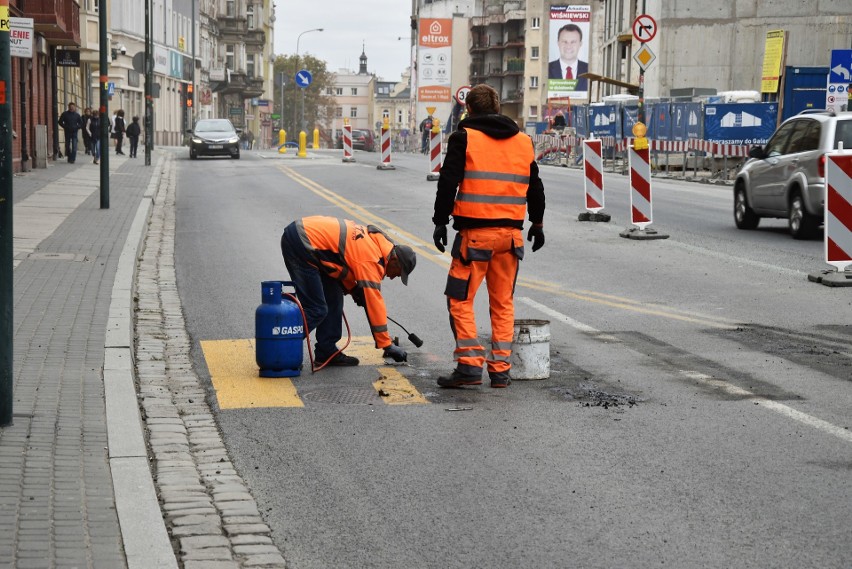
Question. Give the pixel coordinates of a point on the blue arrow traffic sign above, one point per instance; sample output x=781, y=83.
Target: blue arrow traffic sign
x=304, y=78
x=841, y=66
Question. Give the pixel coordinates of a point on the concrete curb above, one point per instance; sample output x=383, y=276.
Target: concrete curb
x=143, y=531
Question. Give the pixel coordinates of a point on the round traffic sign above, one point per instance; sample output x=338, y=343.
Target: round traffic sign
x=304, y=78
x=644, y=28
x=461, y=94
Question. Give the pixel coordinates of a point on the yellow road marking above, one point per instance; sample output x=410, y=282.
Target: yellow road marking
x=424, y=250
x=234, y=374
x=364, y=348
x=396, y=390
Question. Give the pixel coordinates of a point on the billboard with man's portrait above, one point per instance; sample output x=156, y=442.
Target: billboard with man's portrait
x=569, y=52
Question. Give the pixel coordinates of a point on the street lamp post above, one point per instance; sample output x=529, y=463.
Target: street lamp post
x=295, y=84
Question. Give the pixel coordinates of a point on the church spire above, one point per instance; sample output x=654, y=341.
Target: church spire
x=363, y=69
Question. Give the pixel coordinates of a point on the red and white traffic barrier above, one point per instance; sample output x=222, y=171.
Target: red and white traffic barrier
x=641, y=211
x=435, y=151
x=838, y=210
x=593, y=170
x=838, y=220
x=347, y=143
x=386, y=150
x=593, y=181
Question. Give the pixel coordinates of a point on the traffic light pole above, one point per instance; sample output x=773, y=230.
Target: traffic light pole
x=149, y=104
x=6, y=251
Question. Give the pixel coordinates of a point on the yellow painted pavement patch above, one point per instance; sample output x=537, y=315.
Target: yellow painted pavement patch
x=234, y=374
x=396, y=390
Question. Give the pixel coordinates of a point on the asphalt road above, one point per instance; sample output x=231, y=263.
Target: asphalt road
x=697, y=413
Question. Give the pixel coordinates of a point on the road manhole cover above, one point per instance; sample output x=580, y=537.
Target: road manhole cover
x=344, y=396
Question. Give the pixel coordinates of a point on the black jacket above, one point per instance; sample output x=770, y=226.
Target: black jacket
x=71, y=121
x=452, y=173
x=133, y=129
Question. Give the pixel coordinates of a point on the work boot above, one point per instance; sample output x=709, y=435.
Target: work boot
x=338, y=360
x=459, y=379
x=499, y=379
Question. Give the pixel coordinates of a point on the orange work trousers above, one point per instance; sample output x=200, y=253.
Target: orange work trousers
x=492, y=254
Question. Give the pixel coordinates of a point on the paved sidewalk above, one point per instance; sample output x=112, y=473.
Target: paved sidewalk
x=76, y=484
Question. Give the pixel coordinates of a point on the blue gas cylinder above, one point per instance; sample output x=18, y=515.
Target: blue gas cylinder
x=279, y=332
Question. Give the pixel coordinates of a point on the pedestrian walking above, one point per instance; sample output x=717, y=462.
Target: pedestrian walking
x=84, y=127
x=488, y=180
x=250, y=139
x=133, y=132
x=94, y=128
x=425, y=129
x=70, y=121
x=119, y=129
x=328, y=257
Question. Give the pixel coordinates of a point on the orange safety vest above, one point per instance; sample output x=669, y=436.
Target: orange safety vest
x=357, y=256
x=496, y=177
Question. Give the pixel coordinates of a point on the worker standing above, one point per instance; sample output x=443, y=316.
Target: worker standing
x=328, y=257
x=488, y=180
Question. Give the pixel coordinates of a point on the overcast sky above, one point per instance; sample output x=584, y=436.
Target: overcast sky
x=348, y=24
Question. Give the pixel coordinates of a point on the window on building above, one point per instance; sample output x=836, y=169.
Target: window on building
x=338, y=91
x=354, y=90
x=535, y=23
x=229, y=57
x=250, y=16
x=329, y=91
x=353, y=112
x=338, y=112
x=533, y=110
x=534, y=52
x=534, y=82
x=231, y=8
x=399, y=116
x=250, y=65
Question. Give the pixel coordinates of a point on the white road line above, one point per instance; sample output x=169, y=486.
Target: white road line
x=788, y=412
x=711, y=381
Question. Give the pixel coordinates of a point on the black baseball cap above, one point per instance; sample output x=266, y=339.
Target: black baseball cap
x=407, y=260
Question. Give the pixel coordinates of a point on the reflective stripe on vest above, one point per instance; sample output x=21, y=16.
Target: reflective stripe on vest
x=324, y=258
x=496, y=177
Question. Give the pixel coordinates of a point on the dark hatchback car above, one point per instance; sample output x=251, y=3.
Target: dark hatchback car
x=362, y=139
x=214, y=137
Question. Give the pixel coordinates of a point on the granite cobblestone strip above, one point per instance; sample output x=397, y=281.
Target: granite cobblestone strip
x=211, y=516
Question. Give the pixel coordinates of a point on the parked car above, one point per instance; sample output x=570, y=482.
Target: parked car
x=362, y=139
x=214, y=137
x=786, y=178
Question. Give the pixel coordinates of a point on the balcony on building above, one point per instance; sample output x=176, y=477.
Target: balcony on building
x=57, y=20
x=513, y=96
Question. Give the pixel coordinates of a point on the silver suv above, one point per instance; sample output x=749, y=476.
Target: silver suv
x=786, y=178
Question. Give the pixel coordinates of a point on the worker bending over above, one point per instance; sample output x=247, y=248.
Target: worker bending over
x=328, y=257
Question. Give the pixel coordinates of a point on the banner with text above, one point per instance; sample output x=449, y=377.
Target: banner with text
x=569, y=52
x=434, y=60
x=740, y=123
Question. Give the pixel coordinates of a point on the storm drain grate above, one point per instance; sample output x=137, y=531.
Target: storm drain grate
x=40, y=256
x=343, y=396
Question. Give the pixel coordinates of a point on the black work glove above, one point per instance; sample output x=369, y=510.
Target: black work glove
x=358, y=296
x=536, y=235
x=439, y=236
x=395, y=352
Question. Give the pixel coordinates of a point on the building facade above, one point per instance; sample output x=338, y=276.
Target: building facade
x=509, y=44
x=211, y=58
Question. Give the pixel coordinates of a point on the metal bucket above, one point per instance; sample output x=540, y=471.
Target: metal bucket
x=531, y=350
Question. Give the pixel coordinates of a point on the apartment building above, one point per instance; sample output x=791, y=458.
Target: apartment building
x=210, y=58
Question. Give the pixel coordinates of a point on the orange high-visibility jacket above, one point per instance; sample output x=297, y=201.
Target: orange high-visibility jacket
x=357, y=256
x=496, y=177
